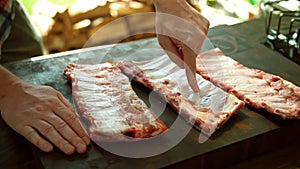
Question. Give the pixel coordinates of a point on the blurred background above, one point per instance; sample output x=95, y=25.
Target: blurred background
x=67, y=24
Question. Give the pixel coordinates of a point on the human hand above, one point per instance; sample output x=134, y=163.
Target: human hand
x=42, y=115
x=181, y=31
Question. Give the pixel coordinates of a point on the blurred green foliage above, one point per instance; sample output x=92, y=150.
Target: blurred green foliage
x=28, y=4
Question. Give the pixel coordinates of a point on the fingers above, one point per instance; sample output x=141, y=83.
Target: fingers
x=31, y=135
x=190, y=69
x=56, y=125
x=61, y=126
x=183, y=56
x=45, y=118
x=171, y=49
x=189, y=58
x=72, y=119
x=190, y=66
x=52, y=135
x=65, y=102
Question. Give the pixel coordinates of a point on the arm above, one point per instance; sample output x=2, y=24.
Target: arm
x=181, y=31
x=33, y=110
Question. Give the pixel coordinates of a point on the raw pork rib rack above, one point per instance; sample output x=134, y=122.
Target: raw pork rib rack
x=207, y=110
x=257, y=88
x=107, y=103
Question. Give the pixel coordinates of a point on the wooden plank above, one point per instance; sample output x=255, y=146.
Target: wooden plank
x=248, y=133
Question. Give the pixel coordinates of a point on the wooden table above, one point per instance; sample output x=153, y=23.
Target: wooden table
x=247, y=134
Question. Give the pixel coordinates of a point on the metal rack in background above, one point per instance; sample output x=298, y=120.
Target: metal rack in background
x=283, y=27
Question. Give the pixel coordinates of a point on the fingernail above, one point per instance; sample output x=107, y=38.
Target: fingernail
x=47, y=147
x=80, y=148
x=86, y=140
x=69, y=148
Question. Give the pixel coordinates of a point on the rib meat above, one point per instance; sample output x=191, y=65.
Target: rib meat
x=255, y=87
x=207, y=110
x=107, y=103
